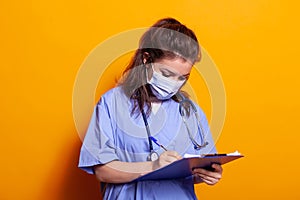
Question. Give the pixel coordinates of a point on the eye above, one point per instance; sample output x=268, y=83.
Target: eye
x=165, y=74
x=183, y=78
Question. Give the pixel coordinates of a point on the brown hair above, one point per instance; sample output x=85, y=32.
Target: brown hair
x=167, y=38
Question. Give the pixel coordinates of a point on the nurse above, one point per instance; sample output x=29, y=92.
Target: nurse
x=148, y=102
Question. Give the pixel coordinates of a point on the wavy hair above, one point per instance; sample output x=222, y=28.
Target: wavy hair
x=166, y=39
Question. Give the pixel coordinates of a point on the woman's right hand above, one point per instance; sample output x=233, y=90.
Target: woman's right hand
x=166, y=158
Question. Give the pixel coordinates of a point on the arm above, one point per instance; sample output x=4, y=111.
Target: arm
x=122, y=172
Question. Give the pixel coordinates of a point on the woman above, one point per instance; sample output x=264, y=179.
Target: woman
x=148, y=103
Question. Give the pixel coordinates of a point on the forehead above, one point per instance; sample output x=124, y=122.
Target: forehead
x=176, y=65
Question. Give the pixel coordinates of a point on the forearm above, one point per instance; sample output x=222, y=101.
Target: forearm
x=122, y=172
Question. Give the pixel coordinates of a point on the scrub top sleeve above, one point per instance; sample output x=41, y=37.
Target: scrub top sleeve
x=98, y=145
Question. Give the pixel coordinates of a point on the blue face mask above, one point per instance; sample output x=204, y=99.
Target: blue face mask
x=163, y=87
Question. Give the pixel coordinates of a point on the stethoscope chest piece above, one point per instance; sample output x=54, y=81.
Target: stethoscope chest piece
x=152, y=156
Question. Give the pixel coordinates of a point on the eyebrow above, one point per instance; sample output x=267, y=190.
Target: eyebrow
x=172, y=73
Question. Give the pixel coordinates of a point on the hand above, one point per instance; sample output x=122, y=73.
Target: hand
x=207, y=176
x=166, y=158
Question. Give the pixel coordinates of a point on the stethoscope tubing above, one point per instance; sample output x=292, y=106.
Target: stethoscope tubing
x=183, y=115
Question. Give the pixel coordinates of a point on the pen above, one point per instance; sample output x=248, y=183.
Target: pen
x=155, y=141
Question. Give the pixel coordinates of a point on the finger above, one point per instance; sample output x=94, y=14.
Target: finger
x=170, y=159
x=167, y=159
x=174, y=154
x=203, y=171
x=217, y=167
x=199, y=170
x=214, y=168
x=207, y=173
x=208, y=180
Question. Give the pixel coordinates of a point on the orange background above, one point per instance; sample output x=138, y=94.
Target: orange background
x=255, y=45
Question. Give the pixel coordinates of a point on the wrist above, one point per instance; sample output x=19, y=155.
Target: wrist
x=197, y=179
x=155, y=165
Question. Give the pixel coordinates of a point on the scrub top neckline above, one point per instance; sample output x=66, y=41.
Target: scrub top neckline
x=155, y=107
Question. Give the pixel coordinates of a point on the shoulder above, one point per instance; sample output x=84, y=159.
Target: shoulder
x=113, y=94
x=114, y=98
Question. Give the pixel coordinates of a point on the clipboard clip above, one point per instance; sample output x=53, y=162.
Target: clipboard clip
x=213, y=154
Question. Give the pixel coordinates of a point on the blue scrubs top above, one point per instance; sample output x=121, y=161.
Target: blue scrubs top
x=115, y=134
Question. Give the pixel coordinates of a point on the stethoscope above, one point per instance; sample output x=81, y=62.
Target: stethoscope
x=153, y=155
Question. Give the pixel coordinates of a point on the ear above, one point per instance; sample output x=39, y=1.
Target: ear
x=146, y=57
x=144, y=61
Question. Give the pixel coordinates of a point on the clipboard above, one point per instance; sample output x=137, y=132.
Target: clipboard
x=184, y=167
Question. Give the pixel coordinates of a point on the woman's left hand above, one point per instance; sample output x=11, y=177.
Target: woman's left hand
x=209, y=177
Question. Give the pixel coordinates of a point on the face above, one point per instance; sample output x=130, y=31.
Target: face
x=177, y=69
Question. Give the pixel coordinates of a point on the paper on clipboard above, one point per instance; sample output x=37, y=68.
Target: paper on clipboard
x=184, y=167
